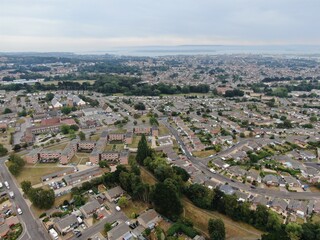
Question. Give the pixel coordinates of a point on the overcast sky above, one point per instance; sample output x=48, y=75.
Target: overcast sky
x=97, y=25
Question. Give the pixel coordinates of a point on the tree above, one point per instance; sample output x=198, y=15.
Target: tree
x=294, y=231
x=66, y=110
x=313, y=119
x=166, y=201
x=7, y=110
x=26, y=186
x=49, y=97
x=103, y=164
x=14, y=169
x=216, y=229
x=153, y=121
x=140, y=106
x=123, y=201
x=107, y=227
x=82, y=136
x=41, y=198
x=79, y=200
x=143, y=150
x=16, y=147
x=3, y=151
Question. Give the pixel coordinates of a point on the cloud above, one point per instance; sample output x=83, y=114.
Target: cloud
x=70, y=25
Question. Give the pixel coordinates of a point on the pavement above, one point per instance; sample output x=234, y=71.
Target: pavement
x=34, y=229
x=115, y=216
x=201, y=164
x=18, y=135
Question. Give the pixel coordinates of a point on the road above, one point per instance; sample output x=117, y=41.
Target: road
x=18, y=135
x=201, y=164
x=115, y=216
x=34, y=229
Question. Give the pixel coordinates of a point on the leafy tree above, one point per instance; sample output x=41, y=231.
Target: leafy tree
x=294, y=230
x=16, y=147
x=166, y=201
x=313, y=119
x=7, y=110
x=123, y=201
x=139, y=106
x=107, y=227
x=216, y=229
x=153, y=121
x=103, y=164
x=49, y=97
x=66, y=110
x=41, y=198
x=26, y=186
x=79, y=200
x=143, y=150
x=3, y=150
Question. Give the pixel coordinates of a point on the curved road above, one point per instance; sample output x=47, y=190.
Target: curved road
x=201, y=164
x=32, y=229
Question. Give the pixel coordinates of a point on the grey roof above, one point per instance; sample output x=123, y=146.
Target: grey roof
x=277, y=202
x=90, y=206
x=148, y=216
x=115, y=192
x=67, y=221
x=121, y=231
x=271, y=178
x=227, y=189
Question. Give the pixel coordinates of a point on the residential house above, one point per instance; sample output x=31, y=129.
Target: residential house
x=120, y=232
x=149, y=218
x=279, y=205
x=66, y=224
x=89, y=208
x=114, y=193
x=271, y=180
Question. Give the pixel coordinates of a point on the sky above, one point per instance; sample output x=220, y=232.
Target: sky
x=98, y=25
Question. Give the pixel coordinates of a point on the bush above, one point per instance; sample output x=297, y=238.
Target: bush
x=42, y=215
x=180, y=227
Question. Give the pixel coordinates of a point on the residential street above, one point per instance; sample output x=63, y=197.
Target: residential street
x=201, y=164
x=32, y=228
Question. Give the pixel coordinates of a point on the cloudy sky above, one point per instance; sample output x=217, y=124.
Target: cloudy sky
x=97, y=25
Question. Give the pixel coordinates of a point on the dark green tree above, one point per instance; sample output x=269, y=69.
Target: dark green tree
x=143, y=150
x=166, y=201
x=216, y=229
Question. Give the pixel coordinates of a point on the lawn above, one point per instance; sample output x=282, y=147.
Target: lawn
x=135, y=142
x=114, y=147
x=134, y=207
x=57, y=147
x=234, y=230
x=163, y=130
x=59, y=200
x=94, y=137
x=78, y=81
x=203, y=154
x=200, y=217
x=33, y=173
x=147, y=177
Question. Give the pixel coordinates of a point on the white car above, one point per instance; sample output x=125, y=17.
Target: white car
x=19, y=211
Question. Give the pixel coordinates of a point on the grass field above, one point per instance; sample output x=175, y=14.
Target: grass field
x=134, y=207
x=59, y=200
x=34, y=173
x=114, y=147
x=203, y=154
x=163, y=130
x=234, y=230
x=200, y=217
x=135, y=142
x=57, y=147
x=79, y=81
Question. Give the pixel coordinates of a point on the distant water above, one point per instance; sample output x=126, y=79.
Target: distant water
x=154, y=51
